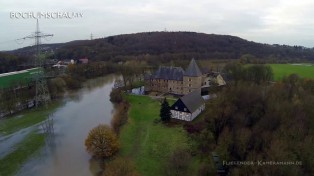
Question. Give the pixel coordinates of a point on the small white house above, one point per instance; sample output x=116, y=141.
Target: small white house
x=188, y=107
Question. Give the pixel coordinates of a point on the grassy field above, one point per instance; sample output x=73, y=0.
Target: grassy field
x=150, y=144
x=24, y=77
x=281, y=70
x=10, y=164
x=30, y=117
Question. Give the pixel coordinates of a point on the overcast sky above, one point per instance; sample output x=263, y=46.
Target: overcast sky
x=266, y=21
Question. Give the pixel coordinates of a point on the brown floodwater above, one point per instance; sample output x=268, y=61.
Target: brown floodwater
x=83, y=110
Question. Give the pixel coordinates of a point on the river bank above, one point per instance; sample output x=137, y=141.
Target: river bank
x=79, y=112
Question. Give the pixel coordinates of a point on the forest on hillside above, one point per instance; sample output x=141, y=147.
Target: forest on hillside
x=179, y=45
x=160, y=47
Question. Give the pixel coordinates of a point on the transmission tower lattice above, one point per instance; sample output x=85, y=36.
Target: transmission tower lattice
x=42, y=92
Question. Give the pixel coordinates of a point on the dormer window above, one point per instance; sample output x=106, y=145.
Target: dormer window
x=184, y=109
x=176, y=107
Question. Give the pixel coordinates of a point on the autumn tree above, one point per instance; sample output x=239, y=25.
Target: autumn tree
x=165, y=114
x=132, y=71
x=127, y=73
x=102, y=142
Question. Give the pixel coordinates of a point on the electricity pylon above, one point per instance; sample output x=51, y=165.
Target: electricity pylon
x=42, y=92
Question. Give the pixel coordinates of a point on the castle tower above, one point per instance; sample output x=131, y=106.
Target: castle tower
x=192, y=78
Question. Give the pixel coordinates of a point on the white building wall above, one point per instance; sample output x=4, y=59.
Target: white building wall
x=181, y=115
x=185, y=115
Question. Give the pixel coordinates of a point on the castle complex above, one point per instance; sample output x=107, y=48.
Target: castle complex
x=175, y=80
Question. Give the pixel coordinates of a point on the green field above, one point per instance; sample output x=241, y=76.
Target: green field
x=150, y=144
x=20, y=77
x=303, y=70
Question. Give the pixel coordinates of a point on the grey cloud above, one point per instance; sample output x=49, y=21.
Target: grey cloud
x=267, y=21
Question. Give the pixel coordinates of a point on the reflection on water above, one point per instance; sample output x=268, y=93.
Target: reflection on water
x=89, y=86
x=95, y=167
x=83, y=110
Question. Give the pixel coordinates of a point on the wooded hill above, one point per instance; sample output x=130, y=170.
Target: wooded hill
x=161, y=47
x=174, y=45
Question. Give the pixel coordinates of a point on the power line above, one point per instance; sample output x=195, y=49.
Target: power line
x=42, y=92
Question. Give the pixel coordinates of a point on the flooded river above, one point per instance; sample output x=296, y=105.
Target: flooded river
x=82, y=111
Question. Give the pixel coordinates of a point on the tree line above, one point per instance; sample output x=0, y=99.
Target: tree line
x=254, y=120
x=164, y=46
x=172, y=44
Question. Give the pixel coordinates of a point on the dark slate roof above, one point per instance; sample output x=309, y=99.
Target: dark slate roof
x=193, y=69
x=192, y=100
x=169, y=73
x=212, y=74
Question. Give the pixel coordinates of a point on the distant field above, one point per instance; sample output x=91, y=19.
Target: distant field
x=23, y=77
x=303, y=70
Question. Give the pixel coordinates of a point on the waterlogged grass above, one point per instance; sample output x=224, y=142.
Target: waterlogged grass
x=12, y=162
x=26, y=118
x=147, y=143
x=303, y=70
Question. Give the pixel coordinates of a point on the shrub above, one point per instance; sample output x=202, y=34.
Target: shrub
x=102, y=142
x=116, y=96
x=120, y=117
